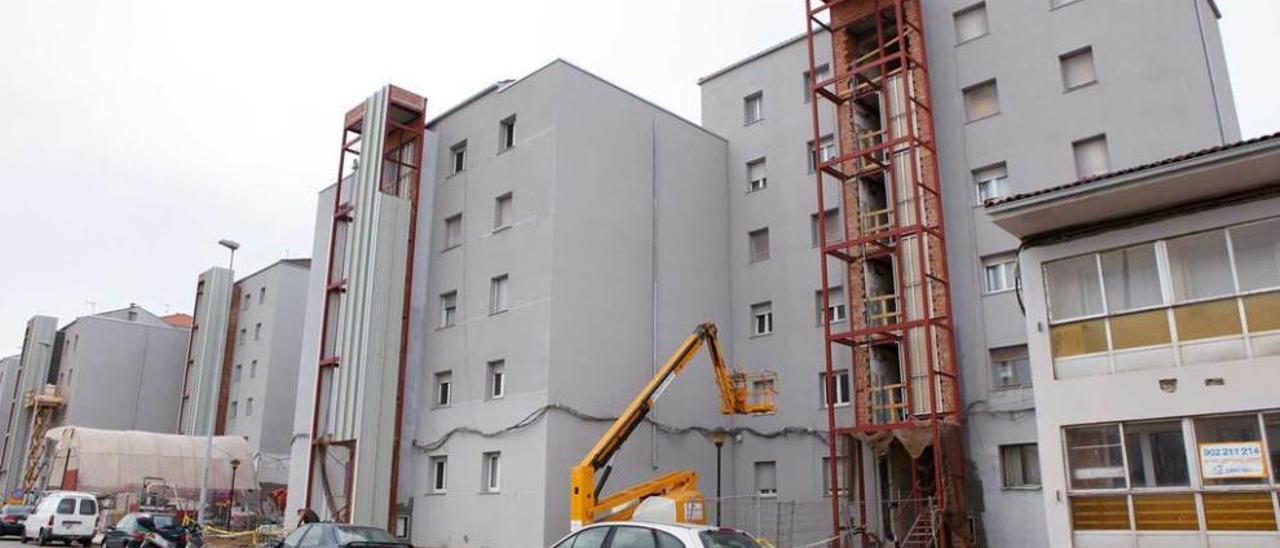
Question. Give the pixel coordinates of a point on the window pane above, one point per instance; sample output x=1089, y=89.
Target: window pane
x=981, y=101
x=1263, y=312
x=1239, y=512
x=1257, y=254
x=1141, y=329
x=1078, y=338
x=1073, y=288
x=1095, y=458
x=1205, y=320
x=1077, y=68
x=1157, y=454
x=1231, y=430
x=591, y=538
x=766, y=478
x=1165, y=512
x=1131, y=278
x=1091, y=156
x=1199, y=266
x=632, y=537
x=971, y=23
x=1100, y=513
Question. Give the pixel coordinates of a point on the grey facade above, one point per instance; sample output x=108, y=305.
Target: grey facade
x=1196, y=233
x=264, y=360
x=8, y=378
x=120, y=370
x=578, y=257
x=34, y=366
x=1161, y=89
x=201, y=385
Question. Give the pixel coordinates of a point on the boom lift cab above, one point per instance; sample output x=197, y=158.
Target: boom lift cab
x=672, y=497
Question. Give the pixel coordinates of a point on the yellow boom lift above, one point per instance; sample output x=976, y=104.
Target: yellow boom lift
x=674, y=496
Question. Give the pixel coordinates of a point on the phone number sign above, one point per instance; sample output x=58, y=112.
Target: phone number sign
x=1232, y=460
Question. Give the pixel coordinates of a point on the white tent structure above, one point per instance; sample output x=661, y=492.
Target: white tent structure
x=108, y=462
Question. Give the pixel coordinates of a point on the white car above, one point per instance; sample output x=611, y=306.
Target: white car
x=63, y=515
x=638, y=534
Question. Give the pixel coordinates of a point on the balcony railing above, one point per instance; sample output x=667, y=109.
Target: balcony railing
x=882, y=310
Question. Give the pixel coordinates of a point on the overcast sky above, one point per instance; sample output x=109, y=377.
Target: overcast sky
x=134, y=135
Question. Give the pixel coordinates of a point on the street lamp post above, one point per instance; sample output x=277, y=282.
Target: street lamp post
x=717, y=437
x=203, y=514
x=231, y=495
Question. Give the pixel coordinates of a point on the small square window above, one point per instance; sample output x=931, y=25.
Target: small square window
x=235, y=376
x=1020, y=465
x=757, y=176
x=1077, y=69
x=248, y=407
x=753, y=108
x=439, y=474
x=971, y=23
x=1010, y=367
x=826, y=151
x=498, y=290
x=762, y=319
x=262, y=295
x=444, y=388
x=253, y=369
x=981, y=101
x=842, y=395
x=832, y=227
x=824, y=72
x=1001, y=274
x=836, y=310
x=235, y=406
x=491, y=472
x=767, y=478
x=497, y=377
x=1091, y=156
x=453, y=231
x=991, y=182
x=507, y=133
x=502, y=211
x=458, y=158
x=449, y=309
x=257, y=331
x=758, y=245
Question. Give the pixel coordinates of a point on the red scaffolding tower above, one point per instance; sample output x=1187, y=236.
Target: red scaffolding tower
x=882, y=158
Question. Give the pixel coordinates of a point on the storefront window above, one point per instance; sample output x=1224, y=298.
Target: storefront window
x=1157, y=454
x=1273, y=441
x=1096, y=458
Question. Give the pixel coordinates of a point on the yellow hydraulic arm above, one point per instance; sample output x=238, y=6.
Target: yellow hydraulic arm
x=736, y=397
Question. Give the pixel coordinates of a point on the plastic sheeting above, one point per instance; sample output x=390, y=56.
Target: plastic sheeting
x=113, y=461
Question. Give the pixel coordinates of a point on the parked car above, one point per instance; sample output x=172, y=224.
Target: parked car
x=68, y=516
x=12, y=519
x=635, y=534
x=132, y=530
x=328, y=535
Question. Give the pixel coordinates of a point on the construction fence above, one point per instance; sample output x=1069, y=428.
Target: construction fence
x=784, y=523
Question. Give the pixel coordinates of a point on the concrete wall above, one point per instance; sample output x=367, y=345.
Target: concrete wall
x=206, y=355
x=789, y=279
x=1162, y=90
x=8, y=379
x=117, y=374
x=580, y=330
x=1248, y=384
x=309, y=355
x=1153, y=99
x=33, y=366
x=267, y=361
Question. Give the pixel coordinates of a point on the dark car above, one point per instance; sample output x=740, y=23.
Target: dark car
x=12, y=519
x=321, y=535
x=130, y=531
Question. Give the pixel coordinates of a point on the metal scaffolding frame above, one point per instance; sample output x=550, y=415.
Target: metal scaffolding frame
x=880, y=74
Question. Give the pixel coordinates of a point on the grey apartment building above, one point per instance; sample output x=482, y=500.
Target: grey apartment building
x=570, y=234
x=241, y=372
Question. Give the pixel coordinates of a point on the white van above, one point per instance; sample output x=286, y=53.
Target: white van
x=63, y=515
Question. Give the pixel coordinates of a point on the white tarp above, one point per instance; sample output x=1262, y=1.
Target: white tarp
x=113, y=461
